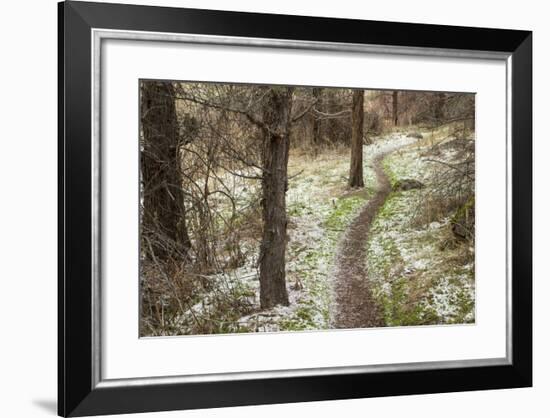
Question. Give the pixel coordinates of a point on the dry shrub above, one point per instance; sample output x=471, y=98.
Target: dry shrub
x=175, y=301
x=373, y=124
x=166, y=291
x=433, y=207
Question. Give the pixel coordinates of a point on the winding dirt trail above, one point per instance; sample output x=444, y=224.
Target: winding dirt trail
x=355, y=306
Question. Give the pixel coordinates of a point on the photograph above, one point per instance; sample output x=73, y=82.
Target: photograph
x=258, y=207
x=273, y=208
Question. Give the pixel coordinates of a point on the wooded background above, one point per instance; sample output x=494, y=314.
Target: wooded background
x=214, y=178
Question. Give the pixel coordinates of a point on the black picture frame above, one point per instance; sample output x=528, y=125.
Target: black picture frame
x=77, y=393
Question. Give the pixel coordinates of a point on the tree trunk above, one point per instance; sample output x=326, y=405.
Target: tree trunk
x=332, y=127
x=315, y=128
x=439, y=107
x=163, y=220
x=395, y=109
x=356, y=165
x=276, y=116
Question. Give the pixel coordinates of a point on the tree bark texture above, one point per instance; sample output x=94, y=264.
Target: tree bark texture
x=315, y=127
x=163, y=219
x=277, y=118
x=395, y=108
x=439, y=113
x=356, y=164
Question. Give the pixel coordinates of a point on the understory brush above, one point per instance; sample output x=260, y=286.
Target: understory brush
x=421, y=270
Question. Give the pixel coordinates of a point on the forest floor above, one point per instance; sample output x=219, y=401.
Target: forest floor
x=419, y=273
x=365, y=257
x=355, y=306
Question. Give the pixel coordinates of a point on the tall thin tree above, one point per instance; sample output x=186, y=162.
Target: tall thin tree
x=395, y=108
x=315, y=125
x=439, y=109
x=356, y=163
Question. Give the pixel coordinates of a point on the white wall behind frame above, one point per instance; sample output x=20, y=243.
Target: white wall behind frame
x=28, y=163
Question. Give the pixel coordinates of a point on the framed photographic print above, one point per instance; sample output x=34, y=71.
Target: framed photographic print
x=264, y=208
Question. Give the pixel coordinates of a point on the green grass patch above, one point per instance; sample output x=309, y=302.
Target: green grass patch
x=343, y=211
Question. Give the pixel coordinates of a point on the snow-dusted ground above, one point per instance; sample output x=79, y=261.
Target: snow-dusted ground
x=413, y=279
x=416, y=278
x=320, y=207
